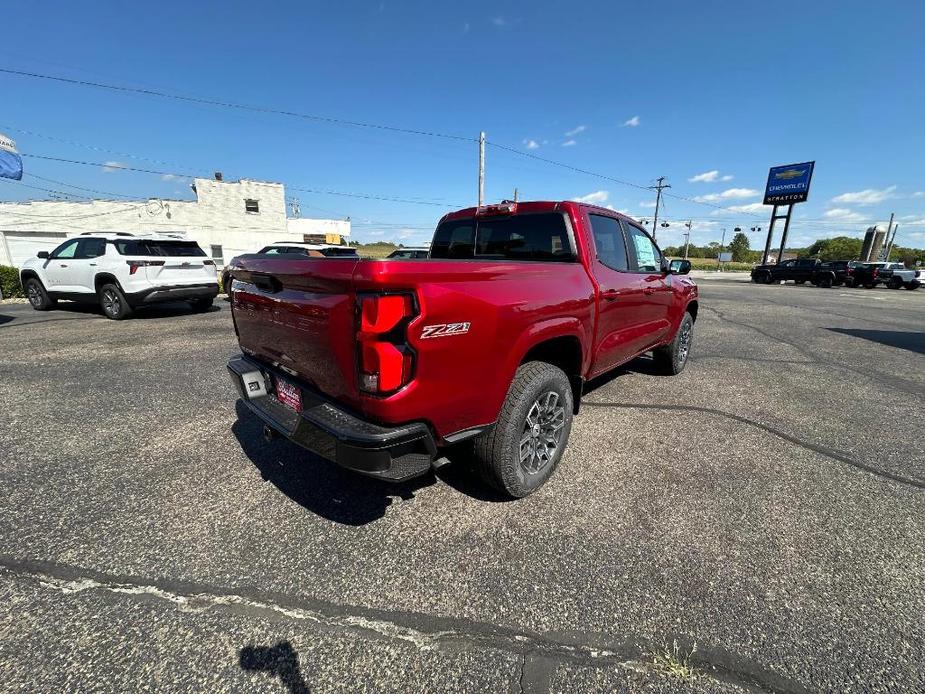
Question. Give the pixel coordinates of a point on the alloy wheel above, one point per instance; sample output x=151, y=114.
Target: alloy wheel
x=33, y=293
x=111, y=302
x=542, y=432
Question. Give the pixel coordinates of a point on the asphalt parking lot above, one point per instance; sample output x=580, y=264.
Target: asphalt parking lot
x=767, y=505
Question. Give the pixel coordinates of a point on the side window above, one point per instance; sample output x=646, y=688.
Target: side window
x=609, y=242
x=454, y=240
x=644, y=255
x=273, y=251
x=68, y=249
x=91, y=248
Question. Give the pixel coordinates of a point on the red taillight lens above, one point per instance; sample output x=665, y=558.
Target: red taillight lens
x=133, y=265
x=874, y=274
x=385, y=360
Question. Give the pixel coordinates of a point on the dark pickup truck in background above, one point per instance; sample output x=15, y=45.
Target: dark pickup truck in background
x=799, y=270
x=377, y=365
x=834, y=273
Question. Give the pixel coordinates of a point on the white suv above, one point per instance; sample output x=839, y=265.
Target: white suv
x=122, y=272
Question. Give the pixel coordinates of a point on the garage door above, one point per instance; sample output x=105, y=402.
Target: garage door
x=24, y=246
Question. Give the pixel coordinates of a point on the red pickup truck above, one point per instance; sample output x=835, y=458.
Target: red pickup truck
x=379, y=364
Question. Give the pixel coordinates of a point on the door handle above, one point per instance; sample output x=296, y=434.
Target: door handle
x=92, y=264
x=610, y=295
x=62, y=265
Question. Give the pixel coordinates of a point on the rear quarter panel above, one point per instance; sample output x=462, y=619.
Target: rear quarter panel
x=461, y=379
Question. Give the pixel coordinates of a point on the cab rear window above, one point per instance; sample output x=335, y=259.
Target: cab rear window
x=538, y=237
x=185, y=249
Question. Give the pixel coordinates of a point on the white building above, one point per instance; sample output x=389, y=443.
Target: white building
x=226, y=219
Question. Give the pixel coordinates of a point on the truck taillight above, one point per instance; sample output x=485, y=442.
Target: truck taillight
x=133, y=265
x=386, y=362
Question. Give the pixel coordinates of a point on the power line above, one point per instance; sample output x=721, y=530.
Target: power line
x=365, y=196
x=234, y=105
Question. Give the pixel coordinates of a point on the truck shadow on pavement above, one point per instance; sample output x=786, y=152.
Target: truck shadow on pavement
x=165, y=310
x=280, y=660
x=912, y=341
x=340, y=495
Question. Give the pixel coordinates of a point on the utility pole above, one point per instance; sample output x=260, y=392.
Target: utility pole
x=658, y=198
x=886, y=240
x=889, y=248
x=687, y=237
x=481, y=168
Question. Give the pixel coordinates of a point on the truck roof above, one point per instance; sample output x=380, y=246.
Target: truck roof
x=532, y=206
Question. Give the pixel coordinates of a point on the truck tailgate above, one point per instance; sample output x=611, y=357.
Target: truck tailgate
x=299, y=315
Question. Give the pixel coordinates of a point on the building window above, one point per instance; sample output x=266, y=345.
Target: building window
x=217, y=256
x=252, y=206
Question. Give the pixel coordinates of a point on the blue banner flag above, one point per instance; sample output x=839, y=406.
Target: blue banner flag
x=10, y=161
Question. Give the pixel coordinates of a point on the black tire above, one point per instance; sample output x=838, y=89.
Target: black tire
x=837, y=283
x=825, y=282
x=913, y=285
x=38, y=297
x=113, y=302
x=507, y=455
x=200, y=305
x=895, y=283
x=767, y=278
x=671, y=358
x=756, y=279
x=869, y=285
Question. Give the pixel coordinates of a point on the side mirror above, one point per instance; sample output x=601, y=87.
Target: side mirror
x=679, y=267
x=42, y=254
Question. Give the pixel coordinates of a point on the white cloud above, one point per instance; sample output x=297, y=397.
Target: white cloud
x=868, y=196
x=111, y=166
x=751, y=208
x=531, y=144
x=576, y=130
x=647, y=204
x=730, y=194
x=632, y=122
x=569, y=143
x=709, y=177
x=913, y=221
x=499, y=21
x=705, y=177
x=919, y=194
x=843, y=214
x=595, y=198
x=466, y=28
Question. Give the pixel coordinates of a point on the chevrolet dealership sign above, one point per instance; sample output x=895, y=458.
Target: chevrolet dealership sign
x=788, y=184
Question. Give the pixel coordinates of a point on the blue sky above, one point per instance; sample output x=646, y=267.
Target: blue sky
x=629, y=90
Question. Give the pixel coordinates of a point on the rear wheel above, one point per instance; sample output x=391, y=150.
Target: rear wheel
x=767, y=278
x=113, y=302
x=895, y=283
x=868, y=285
x=825, y=282
x=524, y=447
x=37, y=295
x=913, y=285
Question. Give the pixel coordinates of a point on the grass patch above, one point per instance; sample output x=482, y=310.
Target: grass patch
x=673, y=662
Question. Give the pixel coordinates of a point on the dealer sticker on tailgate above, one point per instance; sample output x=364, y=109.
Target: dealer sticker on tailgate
x=289, y=395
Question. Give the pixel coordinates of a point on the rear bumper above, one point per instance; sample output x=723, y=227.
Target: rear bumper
x=154, y=295
x=390, y=453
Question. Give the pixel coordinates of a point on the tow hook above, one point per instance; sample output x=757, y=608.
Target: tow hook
x=269, y=434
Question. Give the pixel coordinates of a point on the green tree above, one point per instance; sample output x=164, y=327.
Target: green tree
x=739, y=247
x=838, y=248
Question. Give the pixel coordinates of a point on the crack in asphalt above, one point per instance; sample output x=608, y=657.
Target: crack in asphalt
x=872, y=374
x=425, y=632
x=809, y=445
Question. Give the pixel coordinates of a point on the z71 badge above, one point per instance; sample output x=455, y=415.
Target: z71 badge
x=444, y=330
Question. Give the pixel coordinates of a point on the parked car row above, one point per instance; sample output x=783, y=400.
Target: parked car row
x=850, y=273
